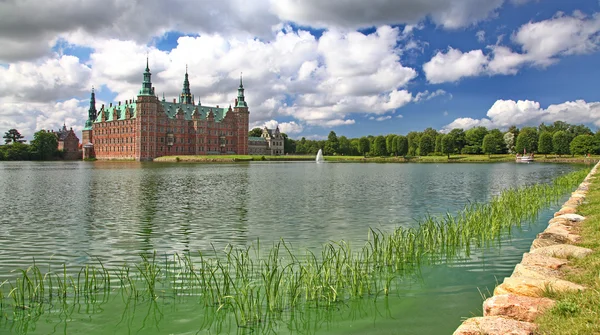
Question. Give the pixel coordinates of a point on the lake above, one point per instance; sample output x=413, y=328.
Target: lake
x=75, y=213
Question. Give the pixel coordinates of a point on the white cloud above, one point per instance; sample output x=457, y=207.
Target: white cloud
x=399, y=116
x=480, y=36
x=285, y=127
x=380, y=118
x=445, y=113
x=505, y=113
x=542, y=44
x=426, y=95
x=353, y=14
x=454, y=65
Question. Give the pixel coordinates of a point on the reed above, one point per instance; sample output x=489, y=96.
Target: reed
x=257, y=284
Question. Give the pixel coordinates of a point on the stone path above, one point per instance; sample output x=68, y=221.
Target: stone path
x=518, y=300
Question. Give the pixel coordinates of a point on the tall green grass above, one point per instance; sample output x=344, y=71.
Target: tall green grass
x=258, y=284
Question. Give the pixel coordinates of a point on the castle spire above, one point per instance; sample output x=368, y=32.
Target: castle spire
x=147, y=88
x=186, y=94
x=240, y=98
x=92, y=113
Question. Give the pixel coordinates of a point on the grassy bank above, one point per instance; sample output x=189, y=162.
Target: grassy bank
x=579, y=313
x=416, y=159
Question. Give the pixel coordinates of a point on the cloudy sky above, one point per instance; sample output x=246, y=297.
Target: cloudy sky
x=357, y=67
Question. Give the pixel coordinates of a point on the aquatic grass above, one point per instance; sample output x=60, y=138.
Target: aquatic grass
x=258, y=283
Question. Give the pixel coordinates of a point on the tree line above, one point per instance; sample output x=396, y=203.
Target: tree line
x=558, y=138
x=44, y=146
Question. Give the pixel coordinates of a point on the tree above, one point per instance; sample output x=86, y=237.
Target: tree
x=431, y=132
x=344, y=145
x=13, y=136
x=379, y=146
x=364, y=146
x=509, y=141
x=44, y=145
x=458, y=136
x=493, y=142
x=448, y=144
x=560, y=143
x=583, y=145
x=332, y=142
x=426, y=145
x=545, y=143
x=389, y=143
x=255, y=132
x=401, y=145
x=527, y=140
x=474, y=137
x=438, y=143
x=289, y=145
x=413, y=139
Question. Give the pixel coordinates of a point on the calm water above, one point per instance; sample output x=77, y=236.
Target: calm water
x=72, y=212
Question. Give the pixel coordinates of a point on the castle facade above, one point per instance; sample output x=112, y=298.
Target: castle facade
x=148, y=127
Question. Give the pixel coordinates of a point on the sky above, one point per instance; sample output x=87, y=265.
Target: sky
x=309, y=66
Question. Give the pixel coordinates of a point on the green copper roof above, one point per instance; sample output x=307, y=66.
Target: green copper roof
x=120, y=112
x=171, y=110
x=258, y=139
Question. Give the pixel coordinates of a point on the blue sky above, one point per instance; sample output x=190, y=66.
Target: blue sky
x=348, y=66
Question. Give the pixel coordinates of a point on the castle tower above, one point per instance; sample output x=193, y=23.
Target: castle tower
x=186, y=95
x=242, y=115
x=92, y=112
x=147, y=88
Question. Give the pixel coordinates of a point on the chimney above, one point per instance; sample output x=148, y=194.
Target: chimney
x=119, y=103
x=110, y=105
x=235, y=104
x=174, y=100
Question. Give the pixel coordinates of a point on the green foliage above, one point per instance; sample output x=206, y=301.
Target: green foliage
x=426, y=145
x=560, y=143
x=379, y=146
x=44, y=145
x=255, y=132
x=401, y=145
x=527, y=140
x=471, y=150
x=344, y=146
x=390, y=143
x=583, y=145
x=474, y=137
x=493, y=142
x=364, y=146
x=332, y=144
x=13, y=136
x=17, y=152
x=413, y=139
x=448, y=144
x=458, y=137
x=438, y=143
x=545, y=143
x=509, y=142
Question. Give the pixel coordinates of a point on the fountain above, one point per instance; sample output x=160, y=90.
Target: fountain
x=319, y=158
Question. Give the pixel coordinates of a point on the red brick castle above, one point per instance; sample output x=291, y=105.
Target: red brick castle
x=147, y=128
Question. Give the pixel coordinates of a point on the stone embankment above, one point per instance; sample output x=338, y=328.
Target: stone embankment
x=519, y=299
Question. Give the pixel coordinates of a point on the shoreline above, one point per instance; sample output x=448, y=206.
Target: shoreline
x=360, y=159
x=526, y=295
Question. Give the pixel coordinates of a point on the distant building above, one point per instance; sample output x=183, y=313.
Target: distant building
x=147, y=127
x=270, y=142
x=68, y=142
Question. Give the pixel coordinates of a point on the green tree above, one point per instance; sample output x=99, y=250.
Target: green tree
x=583, y=145
x=509, y=141
x=364, y=146
x=379, y=146
x=255, y=132
x=448, y=144
x=560, y=143
x=413, y=139
x=438, y=143
x=492, y=144
x=579, y=129
x=431, y=132
x=401, y=145
x=17, y=152
x=527, y=140
x=545, y=143
x=344, y=145
x=332, y=144
x=44, y=145
x=389, y=143
x=458, y=136
x=474, y=137
x=289, y=145
x=426, y=145
x=13, y=136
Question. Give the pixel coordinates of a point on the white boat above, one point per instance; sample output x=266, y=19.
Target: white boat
x=525, y=158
